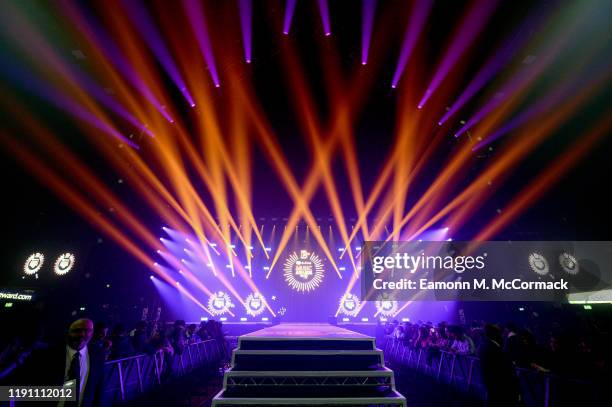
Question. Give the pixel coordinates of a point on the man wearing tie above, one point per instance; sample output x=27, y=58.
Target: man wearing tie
x=72, y=360
x=77, y=366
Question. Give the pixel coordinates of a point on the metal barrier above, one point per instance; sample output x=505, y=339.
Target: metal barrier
x=130, y=377
x=464, y=372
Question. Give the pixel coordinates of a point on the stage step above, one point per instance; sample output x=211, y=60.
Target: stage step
x=376, y=377
x=305, y=344
x=307, y=365
x=306, y=359
x=314, y=396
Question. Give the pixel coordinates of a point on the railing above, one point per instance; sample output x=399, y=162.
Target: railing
x=127, y=378
x=464, y=373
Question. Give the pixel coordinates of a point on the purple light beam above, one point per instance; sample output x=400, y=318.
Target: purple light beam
x=195, y=12
x=246, y=18
x=522, y=78
x=88, y=24
x=471, y=25
x=493, y=65
x=368, y=11
x=565, y=90
x=59, y=99
x=324, y=10
x=419, y=14
x=141, y=18
x=289, y=9
x=100, y=94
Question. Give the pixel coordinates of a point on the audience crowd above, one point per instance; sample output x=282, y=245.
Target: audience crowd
x=150, y=337
x=559, y=351
x=27, y=340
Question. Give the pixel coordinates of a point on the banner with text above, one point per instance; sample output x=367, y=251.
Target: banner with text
x=578, y=271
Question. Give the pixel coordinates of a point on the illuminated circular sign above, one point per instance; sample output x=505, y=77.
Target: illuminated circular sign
x=219, y=303
x=33, y=263
x=538, y=264
x=255, y=304
x=569, y=264
x=349, y=305
x=63, y=264
x=386, y=305
x=303, y=273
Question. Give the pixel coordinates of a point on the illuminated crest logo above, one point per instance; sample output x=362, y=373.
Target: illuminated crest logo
x=349, y=305
x=219, y=303
x=304, y=272
x=63, y=264
x=254, y=304
x=33, y=263
x=538, y=264
x=569, y=264
x=385, y=305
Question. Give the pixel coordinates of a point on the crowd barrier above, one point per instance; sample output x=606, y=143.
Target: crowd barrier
x=128, y=378
x=463, y=372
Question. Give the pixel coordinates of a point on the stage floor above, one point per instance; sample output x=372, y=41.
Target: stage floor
x=305, y=331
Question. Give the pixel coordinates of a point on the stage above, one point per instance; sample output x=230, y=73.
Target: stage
x=308, y=364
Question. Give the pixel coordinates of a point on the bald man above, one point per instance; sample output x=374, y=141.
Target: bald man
x=72, y=360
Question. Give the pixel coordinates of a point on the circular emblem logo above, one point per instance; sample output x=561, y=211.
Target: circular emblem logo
x=386, y=305
x=538, y=264
x=33, y=263
x=349, y=305
x=63, y=264
x=219, y=303
x=569, y=264
x=255, y=304
x=303, y=272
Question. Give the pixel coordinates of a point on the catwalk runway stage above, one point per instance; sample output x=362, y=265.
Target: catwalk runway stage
x=306, y=365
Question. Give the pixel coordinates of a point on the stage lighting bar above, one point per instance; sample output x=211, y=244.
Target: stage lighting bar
x=345, y=319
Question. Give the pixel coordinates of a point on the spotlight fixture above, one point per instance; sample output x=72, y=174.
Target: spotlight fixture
x=64, y=264
x=33, y=263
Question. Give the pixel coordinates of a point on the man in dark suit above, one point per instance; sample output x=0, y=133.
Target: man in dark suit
x=71, y=360
x=498, y=372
